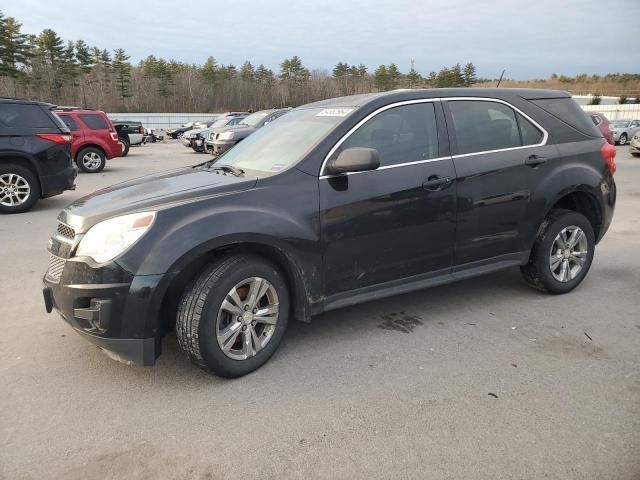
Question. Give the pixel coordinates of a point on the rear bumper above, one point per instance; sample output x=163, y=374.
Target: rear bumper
x=117, y=313
x=56, y=184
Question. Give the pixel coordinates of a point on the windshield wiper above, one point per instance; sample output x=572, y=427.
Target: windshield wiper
x=238, y=172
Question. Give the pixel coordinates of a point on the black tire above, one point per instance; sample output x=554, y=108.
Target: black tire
x=636, y=154
x=97, y=154
x=26, y=176
x=196, y=324
x=126, y=145
x=537, y=273
x=623, y=139
x=197, y=149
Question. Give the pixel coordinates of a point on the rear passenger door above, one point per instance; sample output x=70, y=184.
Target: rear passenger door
x=76, y=131
x=499, y=154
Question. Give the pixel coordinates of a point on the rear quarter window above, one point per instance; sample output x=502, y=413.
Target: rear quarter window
x=568, y=111
x=94, y=121
x=17, y=115
x=69, y=122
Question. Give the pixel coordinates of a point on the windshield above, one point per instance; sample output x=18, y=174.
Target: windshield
x=254, y=119
x=621, y=123
x=221, y=122
x=279, y=145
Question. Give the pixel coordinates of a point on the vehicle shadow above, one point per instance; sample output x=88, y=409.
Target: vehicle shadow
x=400, y=314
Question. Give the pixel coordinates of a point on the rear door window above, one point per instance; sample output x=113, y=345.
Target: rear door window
x=19, y=115
x=482, y=126
x=403, y=134
x=94, y=121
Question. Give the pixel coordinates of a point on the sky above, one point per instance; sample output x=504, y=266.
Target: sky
x=530, y=39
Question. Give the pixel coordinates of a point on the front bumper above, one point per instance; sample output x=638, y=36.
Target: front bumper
x=634, y=146
x=220, y=147
x=109, y=307
x=56, y=184
x=186, y=141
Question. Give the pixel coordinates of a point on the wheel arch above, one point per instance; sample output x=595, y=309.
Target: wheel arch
x=90, y=145
x=186, y=268
x=581, y=199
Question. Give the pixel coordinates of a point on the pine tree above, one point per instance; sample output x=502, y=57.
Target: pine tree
x=394, y=76
x=264, y=75
x=122, y=69
x=247, y=72
x=83, y=56
x=209, y=70
x=381, y=78
x=14, y=47
x=470, y=74
x=51, y=52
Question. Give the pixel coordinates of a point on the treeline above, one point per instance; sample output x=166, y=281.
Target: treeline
x=46, y=67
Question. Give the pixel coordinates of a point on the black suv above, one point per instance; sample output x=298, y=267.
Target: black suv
x=35, y=154
x=129, y=133
x=338, y=202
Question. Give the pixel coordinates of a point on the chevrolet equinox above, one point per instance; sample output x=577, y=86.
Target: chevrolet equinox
x=337, y=202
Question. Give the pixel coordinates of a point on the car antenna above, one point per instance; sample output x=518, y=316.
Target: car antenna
x=500, y=79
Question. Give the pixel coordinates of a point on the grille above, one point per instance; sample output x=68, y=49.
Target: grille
x=56, y=266
x=66, y=231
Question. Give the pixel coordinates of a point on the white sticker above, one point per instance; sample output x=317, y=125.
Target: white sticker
x=334, y=112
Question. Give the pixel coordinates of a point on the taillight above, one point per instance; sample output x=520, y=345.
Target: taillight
x=142, y=130
x=57, y=138
x=609, y=154
x=114, y=136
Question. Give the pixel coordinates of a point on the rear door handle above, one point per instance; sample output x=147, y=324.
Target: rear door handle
x=535, y=160
x=434, y=182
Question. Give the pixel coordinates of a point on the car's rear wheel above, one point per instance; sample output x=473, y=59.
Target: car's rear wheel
x=233, y=316
x=19, y=188
x=126, y=145
x=623, y=139
x=562, y=253
x=91, y=160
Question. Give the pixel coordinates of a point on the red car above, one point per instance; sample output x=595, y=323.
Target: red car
x=95, y=140
x=603, y=124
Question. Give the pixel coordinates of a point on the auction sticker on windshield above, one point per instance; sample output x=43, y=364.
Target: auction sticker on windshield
x=334, y=112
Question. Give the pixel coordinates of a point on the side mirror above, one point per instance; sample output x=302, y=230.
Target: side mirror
x=354, y=160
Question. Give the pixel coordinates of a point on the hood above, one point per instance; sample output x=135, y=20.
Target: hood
x=152, y=192
x=240, y=131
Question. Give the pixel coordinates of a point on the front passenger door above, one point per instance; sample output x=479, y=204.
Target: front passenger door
x=397, y=221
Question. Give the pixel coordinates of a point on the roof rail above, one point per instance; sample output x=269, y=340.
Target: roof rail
x=71, y=108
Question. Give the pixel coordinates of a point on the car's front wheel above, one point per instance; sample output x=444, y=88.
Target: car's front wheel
x=91, y=160
x=19, y=188
x=562, y=253
x=233, y=316
x=623, y=139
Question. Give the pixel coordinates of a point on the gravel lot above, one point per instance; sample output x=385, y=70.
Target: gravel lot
x=476, y=380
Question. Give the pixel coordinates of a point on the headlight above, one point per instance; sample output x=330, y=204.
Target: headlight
x=108, y=239
x=226, y=136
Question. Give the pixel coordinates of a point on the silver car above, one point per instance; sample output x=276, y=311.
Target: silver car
x=623, y=130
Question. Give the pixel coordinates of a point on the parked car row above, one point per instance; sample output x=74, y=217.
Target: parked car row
x=624, y=130
x=43, y=146
x=195, y=138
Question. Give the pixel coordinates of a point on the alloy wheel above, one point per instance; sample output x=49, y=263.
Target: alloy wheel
x=91, y=161
x=568, y=254
x=14, y=190
x=247, y=318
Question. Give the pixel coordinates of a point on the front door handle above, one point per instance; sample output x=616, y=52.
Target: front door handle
x=435, y=182
x=535, y=160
